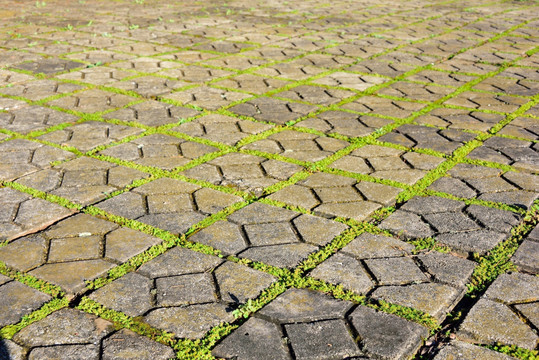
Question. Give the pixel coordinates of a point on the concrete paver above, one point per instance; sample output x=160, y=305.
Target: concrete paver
x=269, y=180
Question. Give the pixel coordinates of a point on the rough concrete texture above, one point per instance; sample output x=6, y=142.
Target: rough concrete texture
x=254, y=179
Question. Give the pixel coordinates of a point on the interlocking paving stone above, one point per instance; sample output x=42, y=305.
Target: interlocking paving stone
x=460, y=119
x=66, y=327
x=82, y=242
x=272, y=110
x=244, y=342
x=40, y=89
x=152, y=113
x=298, y=145
x=281, y=238
x=160, y=151
x=337, y=196
x=414, y=136
x=471, y=181
x=387, y=163
x=344, y=123
x=188, y=299
x=237, y=95
x=221, y=128
x=49, y=66
x=83, y=180
x=518, y=153
x=243, y=171
x=170, y=204
x=93, y=100
x=33, y=118
x=206, y=97
x=89, y=135
x=126, y=344
x=471, y=228
x=20, y=157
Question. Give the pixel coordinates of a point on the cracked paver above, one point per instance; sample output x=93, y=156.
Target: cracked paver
x=269, y=180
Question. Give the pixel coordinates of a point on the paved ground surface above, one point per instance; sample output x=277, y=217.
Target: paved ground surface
x=269, y=179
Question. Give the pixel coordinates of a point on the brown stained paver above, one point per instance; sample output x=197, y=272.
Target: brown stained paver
x=167, y=168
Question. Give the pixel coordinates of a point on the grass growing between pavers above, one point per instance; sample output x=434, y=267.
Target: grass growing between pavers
x=494, y=263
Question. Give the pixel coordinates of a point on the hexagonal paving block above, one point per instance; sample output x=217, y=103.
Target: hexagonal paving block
x=159, y=151
x=91, y=101
x=415, y=136
x=19, y=157
x=152, y=113
x=272, y=110
x=383, y=106
x=464, y=228
x=298, y=145
x=388, y=163
x=344, y=123
x=337, y=196
x=168, y=204
x=460, y=119
x=282, y=238
x=33, y=118
x=243, y=172
x=472, y=181
x=221, y=128
x=83, y=180
x=194, y=291
x=74, y=250
x=518, y=153
x=39, y=89
x=206, y=97
x=89, y=135
x=251, y=83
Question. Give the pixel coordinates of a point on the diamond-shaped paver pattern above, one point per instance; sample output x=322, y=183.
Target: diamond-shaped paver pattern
x=269, y=180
